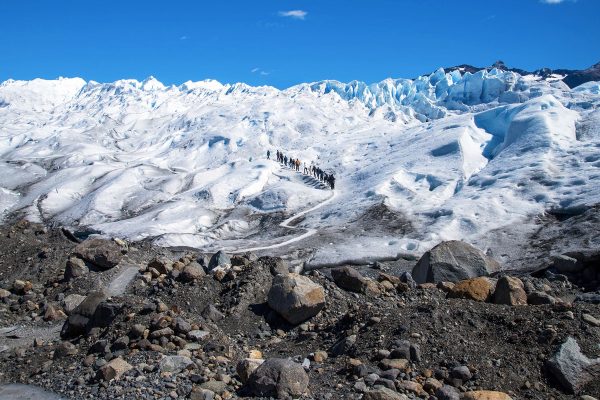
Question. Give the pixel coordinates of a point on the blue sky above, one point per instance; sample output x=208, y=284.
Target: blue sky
x=281, y=43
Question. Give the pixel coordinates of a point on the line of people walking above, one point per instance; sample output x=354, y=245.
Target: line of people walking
x=311, y=170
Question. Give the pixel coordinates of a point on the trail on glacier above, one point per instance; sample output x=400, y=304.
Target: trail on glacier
x=286, y=224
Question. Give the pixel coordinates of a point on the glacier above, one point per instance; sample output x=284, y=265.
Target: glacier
x=450, y=155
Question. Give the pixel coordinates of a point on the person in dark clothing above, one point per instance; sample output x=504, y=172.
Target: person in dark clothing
x=332, y=181
x=284, y=160
x=268, y=154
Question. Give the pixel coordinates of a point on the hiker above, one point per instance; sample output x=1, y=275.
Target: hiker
x=284, y=160
x=305, y=169
x=268, y=154
x=298, y=164
x=332, y=181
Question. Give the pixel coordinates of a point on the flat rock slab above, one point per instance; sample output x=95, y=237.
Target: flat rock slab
x=25, y=392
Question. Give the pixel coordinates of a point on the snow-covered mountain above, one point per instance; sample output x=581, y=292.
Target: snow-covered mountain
x=445, y=156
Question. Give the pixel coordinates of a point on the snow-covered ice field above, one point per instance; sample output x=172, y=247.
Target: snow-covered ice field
x=445, y=156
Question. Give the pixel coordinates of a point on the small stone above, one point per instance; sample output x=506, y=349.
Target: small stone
x=295, y=297
x=197, y=335
x=411, y=387
x=510, y=291
x=572, y=368
x=463, y=373
x=277, y=377
x=65, y=349
x=383, y=394
x=447, y=393
x=396, y=363
x=174, y=364
x=320, y=356
x=590, y=320
x=75, y=268
x=22, y=287
x=540, y=298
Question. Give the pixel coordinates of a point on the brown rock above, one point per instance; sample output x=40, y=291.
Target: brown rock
x=395, y=363
x=478, y=289
x=383, y=394
x=22, y=287
x=485, y=395
x=114, y=369
x=510, y=291
x=412, y=387
x=104, y=254
x=246, y=367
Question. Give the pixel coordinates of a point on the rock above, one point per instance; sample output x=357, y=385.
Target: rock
x=320, y=356
x=510, y=291
x=566, y=265
x=199, y=393
x=104, y=254
x=78, y=321
x=120, y=344
x=214, y=386
x=412, y=387
x=540, y=298
x=278, y=377
x=105, y=314
x=407, y=350
x=296, y=298
x=407, y=278
x=431, y=385
x=4, y=293
x=447, y=393
x=52, y=314
x=383, y=394
x=590, y=319
x=344, y=345
x=75, y=268
x=349, y=279
x=21, y=287
x=453, y=261
x=137, y=331
x=71, y=302
x=65, y=349
x=114, y=369
x=246, y=367
x=478, y=289
x=572, y=368
x=164, y=332
x=462, y=372
x=219, y=259
x=211, y=313
x=174, y=364
x=191, y=272
x=278, y=266
x=197, y=335
x=394, y=363
x=445, y=286
x=161, y=264
x=485, y=395
x=181, y=325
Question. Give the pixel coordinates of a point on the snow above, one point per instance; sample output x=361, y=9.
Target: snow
x=454, y=155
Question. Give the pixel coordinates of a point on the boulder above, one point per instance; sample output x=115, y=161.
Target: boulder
x=478, y=289
x=21, y=287
x=79, y=319
x=453, y=261
x=510, y=291
x=75, y=268
x=246, y=367
x=219, y=259
x=104, y=254
x=349, y=279
x=191, y=272
x=113, y=369
x=4, y=293
x=296, y=298
x=573, y=369
x=280, y=378
x=485, y=395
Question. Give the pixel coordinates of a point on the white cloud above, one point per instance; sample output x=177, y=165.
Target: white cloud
x=183, y=38
x=556, y=1
x=264, y=73
x=260, y=71
x=254, y=70
x=297, y=14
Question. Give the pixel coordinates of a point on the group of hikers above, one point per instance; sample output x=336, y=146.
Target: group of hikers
x=311, y=169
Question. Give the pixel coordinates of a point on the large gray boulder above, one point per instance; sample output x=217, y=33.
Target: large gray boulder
x=453, y=261
x=219, y=259
x=572, y=368
x=104, y=254
x=280, y=378
x=295, y=297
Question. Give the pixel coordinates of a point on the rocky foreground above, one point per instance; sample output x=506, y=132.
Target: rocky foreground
x=108, y=319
